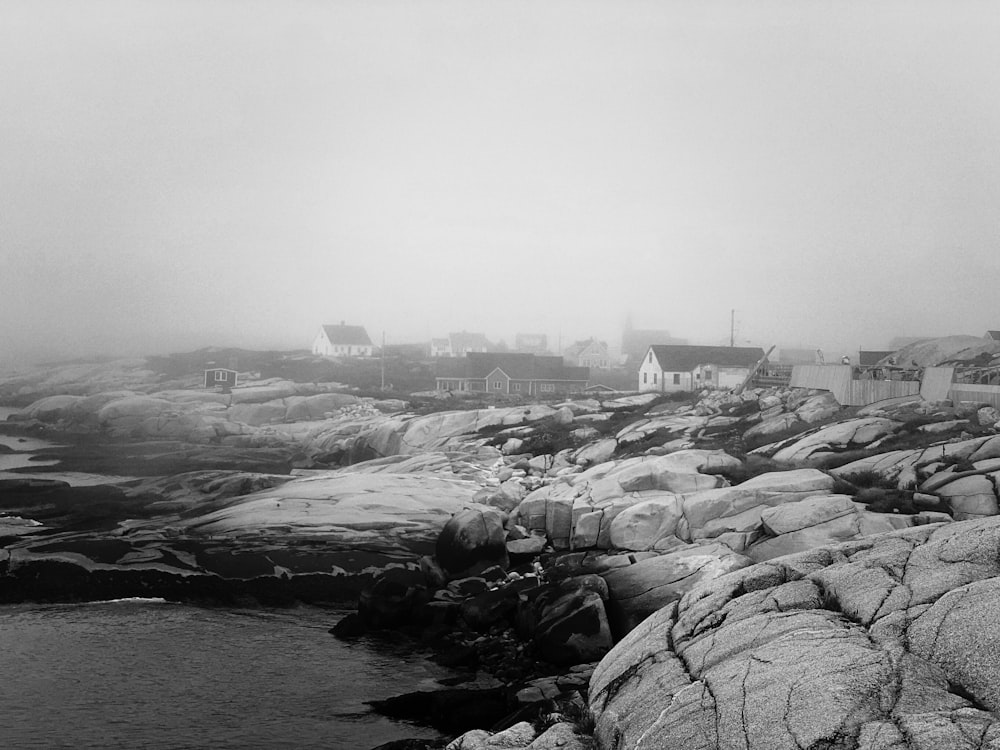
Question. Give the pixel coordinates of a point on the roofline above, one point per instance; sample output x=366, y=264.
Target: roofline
x=554, y=380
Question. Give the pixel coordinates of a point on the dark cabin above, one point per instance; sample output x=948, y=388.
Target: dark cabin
x=220, y=377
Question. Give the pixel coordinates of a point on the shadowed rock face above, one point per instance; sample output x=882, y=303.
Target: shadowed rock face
x=879, y=644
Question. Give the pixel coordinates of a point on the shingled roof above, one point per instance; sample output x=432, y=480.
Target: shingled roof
x=347, y=335
x=685, y=358
x=478, y=365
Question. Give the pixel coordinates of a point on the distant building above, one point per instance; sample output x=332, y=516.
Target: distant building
x=342, y=341
x=992, y=335
x=590, y=353
x=687, y=368
x=531, y=343
x=459, y=344
x=636, y=342
x=510, y=374
x=220, y=377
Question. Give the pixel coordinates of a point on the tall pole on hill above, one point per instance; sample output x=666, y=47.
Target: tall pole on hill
x=383, y=360
x=732, y=328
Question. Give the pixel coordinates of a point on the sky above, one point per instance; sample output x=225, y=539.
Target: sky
x=183, y=173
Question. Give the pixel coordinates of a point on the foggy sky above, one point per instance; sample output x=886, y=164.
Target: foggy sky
x=235, y=173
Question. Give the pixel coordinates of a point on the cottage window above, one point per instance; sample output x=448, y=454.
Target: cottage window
x=220, y=376
x=517, y=386
x=708, y=374
x=497, y=385
x=650, y=358
x=548, y=388
x=677, y=378
x=654, y=378
x=644, y=376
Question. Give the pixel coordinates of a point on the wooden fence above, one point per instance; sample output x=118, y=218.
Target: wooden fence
x=840, y=381
x=935, y=384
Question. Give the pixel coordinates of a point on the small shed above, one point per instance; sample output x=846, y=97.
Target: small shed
x=220, y=377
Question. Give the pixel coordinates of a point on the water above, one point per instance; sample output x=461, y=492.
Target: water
x=154, y=675
x=26, y=446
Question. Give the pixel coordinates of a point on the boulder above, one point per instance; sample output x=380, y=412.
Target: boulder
x=563, y=416
x=529, y=546
x=651, y=524
x=817, y=446
x=817, y=522
x=636, y=591
x=773, y=425
x=596, y=453
x=393, y=598
x=817, y=408
x=570, y=622
x=738, y=509
x=972, y=496
x=474, y=539
x=988, y=416
x=51, y=408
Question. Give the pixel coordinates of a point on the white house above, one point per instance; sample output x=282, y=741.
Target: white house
x=675, y=367
x=342, y=341
x=459, y=344
x=590, y=353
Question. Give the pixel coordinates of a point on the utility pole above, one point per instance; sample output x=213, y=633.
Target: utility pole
x=732, y=328
x=383, y=360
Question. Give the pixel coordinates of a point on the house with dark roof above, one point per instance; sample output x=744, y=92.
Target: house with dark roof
x=992, y=335
x=221, y=377
x=510, y=374
x=589, y=353
x=680, y=367
x=342, y=341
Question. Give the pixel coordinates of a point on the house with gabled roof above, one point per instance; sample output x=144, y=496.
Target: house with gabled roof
x=992, y=335
x=510, y=374
x=589, y=353
x=459, y=344
x=342, y=341
x=676, y=367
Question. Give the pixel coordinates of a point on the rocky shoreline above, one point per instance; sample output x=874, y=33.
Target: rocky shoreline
x=554, y=552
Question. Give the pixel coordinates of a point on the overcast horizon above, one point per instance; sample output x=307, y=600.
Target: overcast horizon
x=237, y=173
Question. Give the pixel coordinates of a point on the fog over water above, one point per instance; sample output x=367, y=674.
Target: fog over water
x=234, y=173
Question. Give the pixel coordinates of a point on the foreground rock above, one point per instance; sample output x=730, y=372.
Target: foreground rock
x=874, y=644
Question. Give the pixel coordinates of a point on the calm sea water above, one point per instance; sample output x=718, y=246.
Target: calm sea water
x=158, y=675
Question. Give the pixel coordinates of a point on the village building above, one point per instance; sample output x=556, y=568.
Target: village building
x=589, y=353
x=440, y=347
x=220, y=377
x=510, y=374
x=342, y=341
x=459, y=344
x=676, y=367
x=531, y=343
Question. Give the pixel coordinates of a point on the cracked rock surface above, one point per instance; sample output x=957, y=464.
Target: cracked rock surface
x=884, y=643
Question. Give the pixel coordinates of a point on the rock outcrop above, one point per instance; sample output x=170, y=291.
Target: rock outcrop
x=874, y=644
